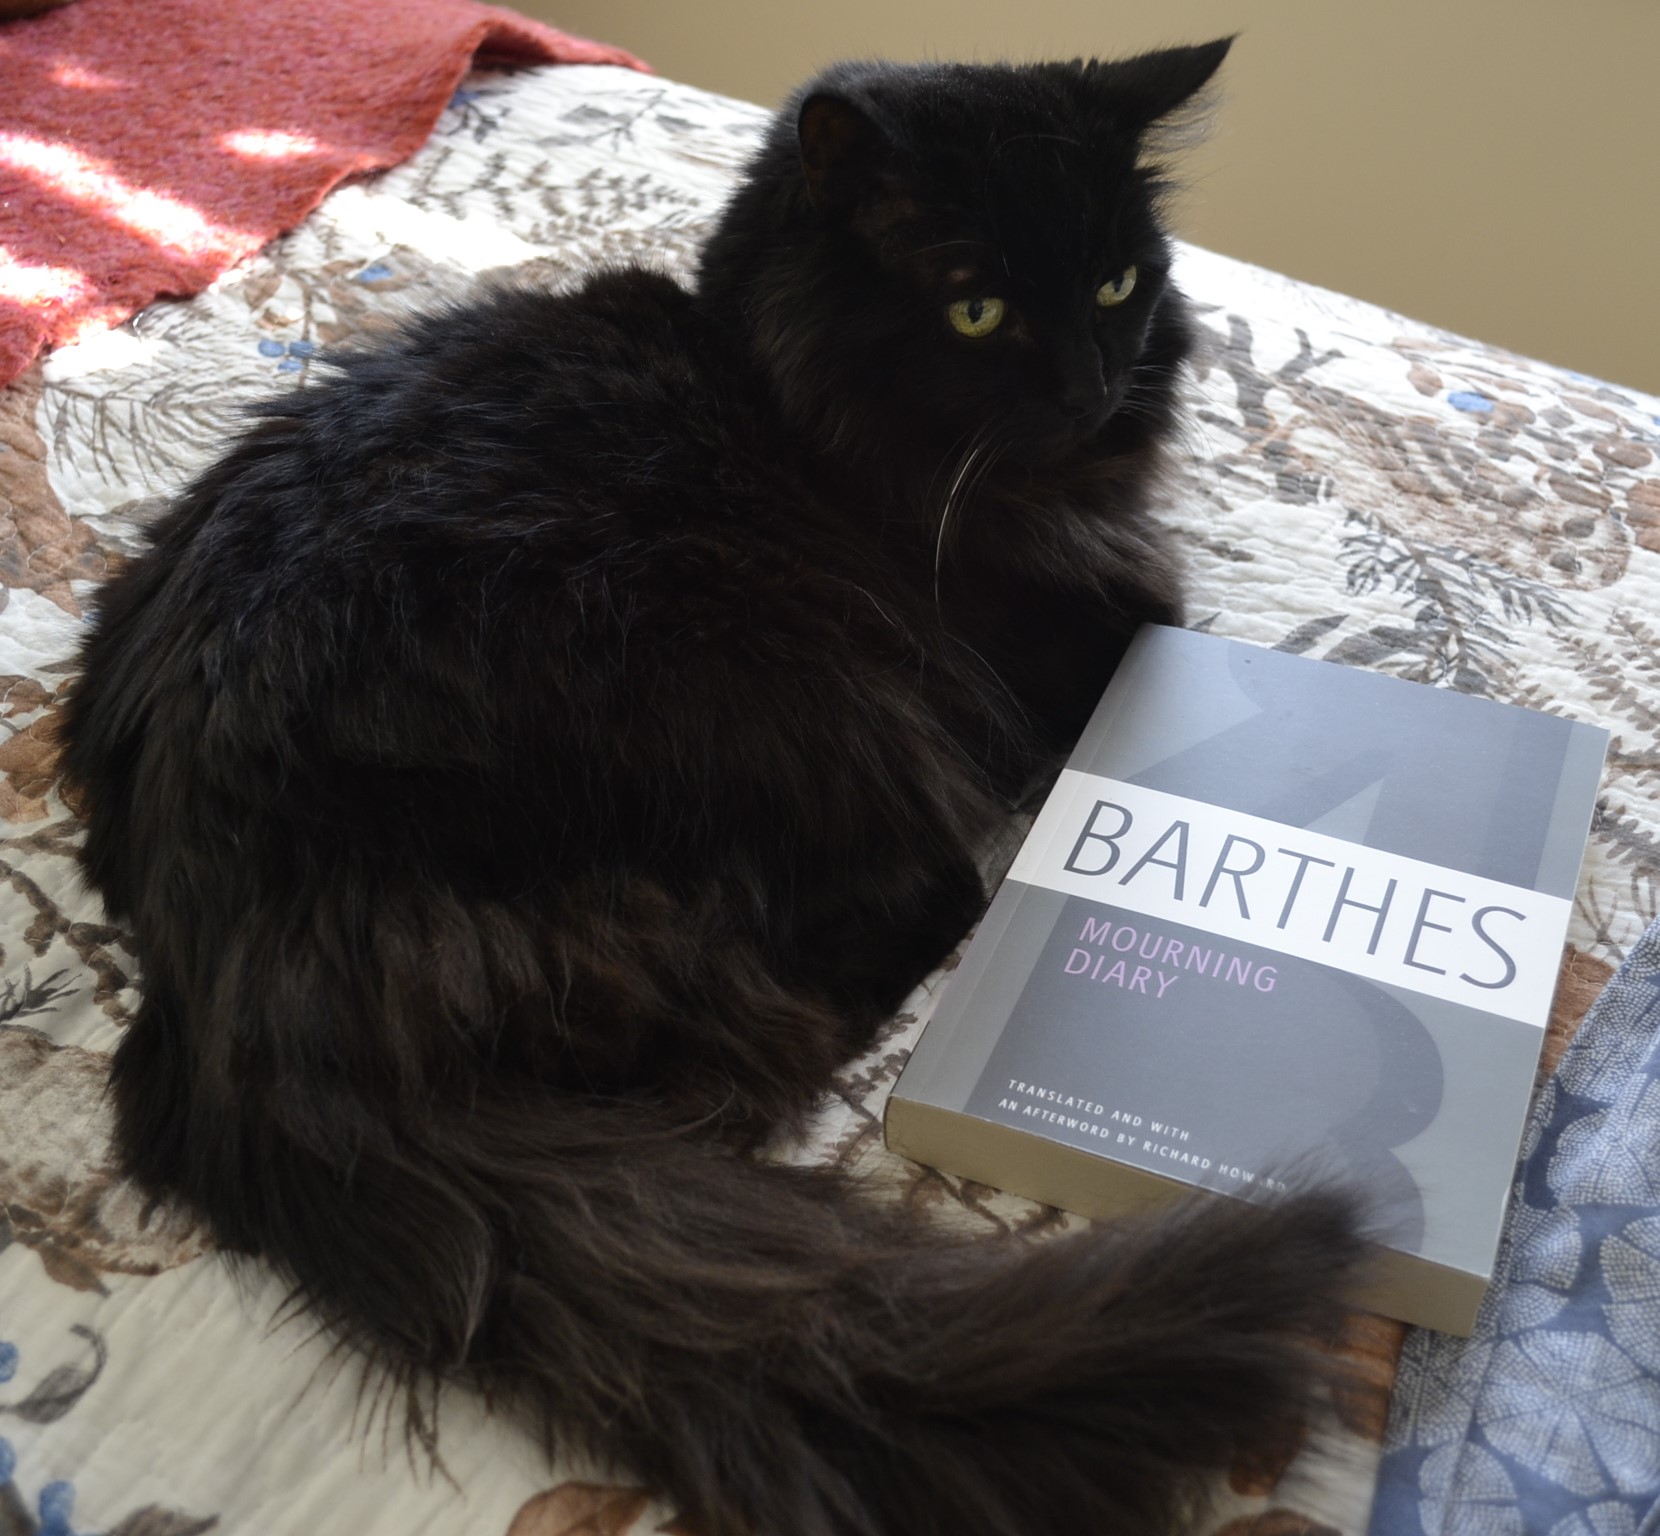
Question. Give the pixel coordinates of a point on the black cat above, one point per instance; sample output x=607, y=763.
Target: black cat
x=532, y=759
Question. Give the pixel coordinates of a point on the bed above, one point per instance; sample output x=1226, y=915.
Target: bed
x=1353, y=486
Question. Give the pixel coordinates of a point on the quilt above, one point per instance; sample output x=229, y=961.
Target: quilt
x=1353, y=486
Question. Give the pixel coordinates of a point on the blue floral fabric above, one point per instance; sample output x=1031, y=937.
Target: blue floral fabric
x=1547, y=1421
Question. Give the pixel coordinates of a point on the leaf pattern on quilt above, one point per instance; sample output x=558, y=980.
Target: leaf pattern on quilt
x=1480, y=510
x=18, y=1000
x=37, y=865
x=42, y=548
x=580, y=1509
x=155, y=1521
x=60, y=1188
x=64, y=1386
x=58, y=1393
x=29, y=748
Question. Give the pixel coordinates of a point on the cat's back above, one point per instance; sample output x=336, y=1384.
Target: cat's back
x=524, y=440
x=485, y=417
x=485, y=549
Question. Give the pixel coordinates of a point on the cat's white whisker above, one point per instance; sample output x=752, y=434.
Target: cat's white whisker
x=945, y=458
x=981, y=442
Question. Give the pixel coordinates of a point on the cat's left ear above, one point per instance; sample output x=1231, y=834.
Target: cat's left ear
x=1152, y=86
x=843, y=151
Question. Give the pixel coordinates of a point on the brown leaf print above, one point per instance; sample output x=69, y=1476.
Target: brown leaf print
x=1508, y=495
x=29, y=755
x=580, y=1509
x=22, y=696
x=1578, y=981
x=42, y=548
x=1643, y=514
x=1622, y=451
x=100, y=947
x=151, y=1521
x=1425, y=380
x=61, y=1191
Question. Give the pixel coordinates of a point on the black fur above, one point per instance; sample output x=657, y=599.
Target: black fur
x=534, y=758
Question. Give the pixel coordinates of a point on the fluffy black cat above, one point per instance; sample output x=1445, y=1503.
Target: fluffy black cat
x=533, y=758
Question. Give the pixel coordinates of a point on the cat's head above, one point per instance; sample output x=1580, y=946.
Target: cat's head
x=954, y=253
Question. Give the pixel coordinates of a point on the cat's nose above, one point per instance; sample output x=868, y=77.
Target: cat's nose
x=1089, y=404
x=1084, y=401
x=1087, y=395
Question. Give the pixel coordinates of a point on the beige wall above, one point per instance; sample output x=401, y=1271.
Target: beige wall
x=1490, y=165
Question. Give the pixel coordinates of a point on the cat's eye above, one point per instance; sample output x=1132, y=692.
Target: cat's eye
x=976, y=317
x=1117, y=289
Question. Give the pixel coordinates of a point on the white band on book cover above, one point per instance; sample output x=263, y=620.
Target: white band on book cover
x=1391, y=919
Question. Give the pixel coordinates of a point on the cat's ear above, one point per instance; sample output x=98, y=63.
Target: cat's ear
x=843, y=151
x=1153, y=86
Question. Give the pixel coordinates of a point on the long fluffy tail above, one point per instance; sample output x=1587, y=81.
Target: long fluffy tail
x=778, y=1355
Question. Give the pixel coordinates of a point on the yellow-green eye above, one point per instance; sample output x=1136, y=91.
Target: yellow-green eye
x=1117, y=290
x=976, y=317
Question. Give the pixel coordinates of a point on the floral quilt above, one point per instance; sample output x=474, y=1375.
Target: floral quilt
x=1354, y=486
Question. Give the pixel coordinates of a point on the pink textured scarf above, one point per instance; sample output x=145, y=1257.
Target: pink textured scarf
x=147, y=145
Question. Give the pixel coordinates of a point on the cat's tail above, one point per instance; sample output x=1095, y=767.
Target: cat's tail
x=779, y=1356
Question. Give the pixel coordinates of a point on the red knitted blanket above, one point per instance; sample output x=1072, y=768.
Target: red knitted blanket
x=147, y=145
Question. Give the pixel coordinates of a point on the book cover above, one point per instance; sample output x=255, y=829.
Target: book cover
x=1277, y=915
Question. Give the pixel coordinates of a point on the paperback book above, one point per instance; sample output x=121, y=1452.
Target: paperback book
x=1277, y=917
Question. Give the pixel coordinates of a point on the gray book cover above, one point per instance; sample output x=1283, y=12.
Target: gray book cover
x=1276, y=916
